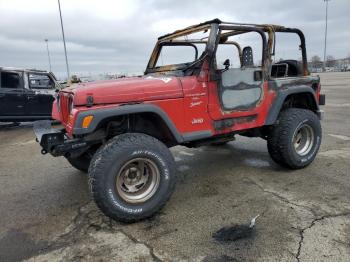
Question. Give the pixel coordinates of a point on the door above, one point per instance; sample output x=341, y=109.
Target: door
x=12, y=100
x=40, y=94
x=239, y=87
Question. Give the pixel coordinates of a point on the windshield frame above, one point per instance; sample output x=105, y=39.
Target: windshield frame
x=176, y=43
x=216, y=26
x=172, y=39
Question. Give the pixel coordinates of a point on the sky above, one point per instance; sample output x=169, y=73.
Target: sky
x=112, y=36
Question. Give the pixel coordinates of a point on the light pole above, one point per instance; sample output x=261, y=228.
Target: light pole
x=64, y=40
x=48, y=52
x=325, y=38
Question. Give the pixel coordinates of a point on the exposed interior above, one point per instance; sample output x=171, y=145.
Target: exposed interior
x=10, y=80
x=287, y=46
x=242, y=56
x=40, y=81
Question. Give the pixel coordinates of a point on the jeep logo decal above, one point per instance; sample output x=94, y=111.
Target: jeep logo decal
x=197, y=121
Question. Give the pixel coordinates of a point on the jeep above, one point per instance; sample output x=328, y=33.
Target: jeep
x=26, y=94
x=120, y=131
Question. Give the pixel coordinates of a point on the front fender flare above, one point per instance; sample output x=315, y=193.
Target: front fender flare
x=103, y=113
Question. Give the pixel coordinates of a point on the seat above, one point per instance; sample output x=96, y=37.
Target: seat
x=247, y=57
x=279, y=70
x=293, y=68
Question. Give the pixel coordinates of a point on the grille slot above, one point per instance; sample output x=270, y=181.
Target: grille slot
x=64, y=101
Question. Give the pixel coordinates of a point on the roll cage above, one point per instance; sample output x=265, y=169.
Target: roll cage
x=216, y=37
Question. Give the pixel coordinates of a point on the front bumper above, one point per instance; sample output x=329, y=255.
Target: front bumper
x=56, y=142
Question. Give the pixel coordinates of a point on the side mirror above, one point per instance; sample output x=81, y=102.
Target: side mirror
x=227, y=64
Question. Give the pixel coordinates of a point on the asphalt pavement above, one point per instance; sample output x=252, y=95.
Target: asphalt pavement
x=48, y=215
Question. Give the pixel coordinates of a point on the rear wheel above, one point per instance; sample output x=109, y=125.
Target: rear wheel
x=273, y=149
x=132, y=177
x=295, y=139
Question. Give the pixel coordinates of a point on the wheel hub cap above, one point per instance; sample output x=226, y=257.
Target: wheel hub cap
x=138, y=180
x=303, y=140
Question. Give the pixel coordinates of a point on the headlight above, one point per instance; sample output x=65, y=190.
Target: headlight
x=57, y=97
x=70, y=104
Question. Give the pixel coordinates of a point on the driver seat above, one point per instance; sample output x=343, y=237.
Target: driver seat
x=247, y=57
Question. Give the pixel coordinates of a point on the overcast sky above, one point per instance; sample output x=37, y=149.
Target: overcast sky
x=118, y=36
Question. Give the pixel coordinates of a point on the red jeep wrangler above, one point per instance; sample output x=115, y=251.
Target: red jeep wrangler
x=200, y=87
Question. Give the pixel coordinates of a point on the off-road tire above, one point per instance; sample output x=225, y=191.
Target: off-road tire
x=273, y=149
x=280, y=140
x=81, y=162
x=109, y=161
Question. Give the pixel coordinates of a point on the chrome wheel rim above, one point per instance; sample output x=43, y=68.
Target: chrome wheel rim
x=138, y=180
x=303, y=139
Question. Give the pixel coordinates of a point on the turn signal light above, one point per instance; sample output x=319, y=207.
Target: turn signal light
x=87, y=121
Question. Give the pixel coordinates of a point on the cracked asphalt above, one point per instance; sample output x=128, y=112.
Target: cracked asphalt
x=47, y=213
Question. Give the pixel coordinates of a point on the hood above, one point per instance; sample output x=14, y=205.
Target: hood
x=125, y=90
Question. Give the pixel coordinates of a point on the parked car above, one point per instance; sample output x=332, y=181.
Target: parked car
x=120, y=131
x=26, y=94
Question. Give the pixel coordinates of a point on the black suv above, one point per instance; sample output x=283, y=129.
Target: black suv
x=26, y=95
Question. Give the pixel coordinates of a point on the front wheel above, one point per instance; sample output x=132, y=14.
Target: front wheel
x=82, y=161
x=132, y=177
x=295, y=139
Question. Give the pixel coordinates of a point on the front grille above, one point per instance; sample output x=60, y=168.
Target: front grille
x=64, y=104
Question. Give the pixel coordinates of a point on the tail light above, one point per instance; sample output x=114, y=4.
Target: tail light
x=57, y=97
x=317, y=89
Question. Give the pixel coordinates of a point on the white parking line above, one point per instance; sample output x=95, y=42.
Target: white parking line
x=23, y=143
x=177, y=159
x=336, y=153
x=186, y=153
x=346, y=138
x=338, y=105
x=255, y=162
x=183, y=168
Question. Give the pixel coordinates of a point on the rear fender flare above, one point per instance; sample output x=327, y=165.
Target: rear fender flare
x=281, y=97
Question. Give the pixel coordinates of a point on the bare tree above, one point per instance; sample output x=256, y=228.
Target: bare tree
x=316, y=62
x=330, y=61
x=315, y=59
